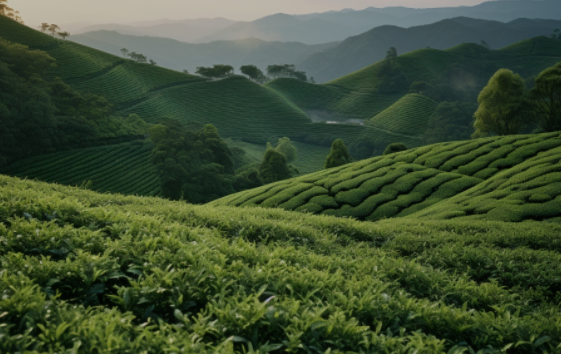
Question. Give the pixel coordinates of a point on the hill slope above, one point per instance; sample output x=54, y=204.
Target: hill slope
x=177, y=55
x=511, y=178
x=143, y=274
x=359, y=51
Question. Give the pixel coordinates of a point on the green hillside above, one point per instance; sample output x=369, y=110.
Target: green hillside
x=110, y=273
x=122, y=168
x=508, y=175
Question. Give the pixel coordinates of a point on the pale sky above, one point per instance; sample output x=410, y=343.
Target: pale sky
x=122, y=11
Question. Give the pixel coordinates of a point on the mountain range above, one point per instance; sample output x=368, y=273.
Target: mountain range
x=331, y=26
x=324, y=62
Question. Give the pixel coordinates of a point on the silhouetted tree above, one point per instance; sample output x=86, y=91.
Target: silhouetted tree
x=391, y=53
x=218, y=71
x=64, y=34
x=394, y=147
x=285, y=71
x=53, y=29
x=254, y=73
x=185, y=71
x=152, y=62
x=338, y=156
x=502, y=105
x=274, y=166
x=44, y=27
x=125, y=51
x=546, y=96
x=484, y=44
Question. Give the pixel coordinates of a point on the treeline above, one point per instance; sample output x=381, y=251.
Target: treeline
x=40, y=116
x=198, y=166
x=220, y=71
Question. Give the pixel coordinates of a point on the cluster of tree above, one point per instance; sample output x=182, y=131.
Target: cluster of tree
x=54, y=30
x=254, y=73
x=507, y=107
x=7, y=11
x=285, y=71
x=218, y=71
x=451, y=121
x=140, y=58
x=39, y=116
x=198, y=166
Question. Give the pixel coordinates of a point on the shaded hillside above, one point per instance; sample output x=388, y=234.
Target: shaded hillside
x=176, y=55
x=148, y=275
x=357, y=52
x=512, y=178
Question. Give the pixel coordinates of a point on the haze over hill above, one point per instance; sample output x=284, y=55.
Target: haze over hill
x=356, y=52
x=335, y=25
x=177, y=55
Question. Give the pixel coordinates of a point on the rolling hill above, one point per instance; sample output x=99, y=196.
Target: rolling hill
x=511, y=178
x=177, y=55
x=359, y=51
x=110, y=273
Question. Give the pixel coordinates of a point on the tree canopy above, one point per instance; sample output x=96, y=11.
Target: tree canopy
x=391, y=53
x=338, y=156
x=394, y=147
x=502, y=105
x=546, y=96
x=254, y=73
x=218, y=71
x=285, y=147
x=274, y=166
x=286, y=71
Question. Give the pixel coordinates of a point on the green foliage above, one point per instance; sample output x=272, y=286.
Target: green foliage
x=391, y=53
x=392, y=78
x=394, y=147
x=502, y=105
x=285, y=71
x=287, y=149
x=86, y=272
x=451, y=121
x=547, y=98
x=40, y=116
x=196, y=166
x=338, y=156
x=274, y=166
x=218, y=71
x=254, y=73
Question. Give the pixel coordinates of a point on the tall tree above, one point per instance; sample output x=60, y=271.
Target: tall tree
x=284, y=146
x=53, y=28
x=274, y=166
x=502, y=105
x=391, y=53
x=338, y=156
x=44, y=27
x=546, y=96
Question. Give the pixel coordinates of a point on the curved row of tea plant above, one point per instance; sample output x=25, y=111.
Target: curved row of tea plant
x=123, y=168
x=404, y=183
x=85, y=272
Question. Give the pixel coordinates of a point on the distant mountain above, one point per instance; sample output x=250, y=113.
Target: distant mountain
x=183, y=30
x=177, y=55
x=360, y=51
x=286, y=28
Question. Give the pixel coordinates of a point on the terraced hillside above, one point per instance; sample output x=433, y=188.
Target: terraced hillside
x=123, y=168
x=153, y=93
x=510, y=178
x=109, y=273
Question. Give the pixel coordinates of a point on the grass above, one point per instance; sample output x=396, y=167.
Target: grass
x=511, y=178
x=88, y=272
x=122, y=168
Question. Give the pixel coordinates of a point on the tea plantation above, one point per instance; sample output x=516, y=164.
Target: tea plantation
x=514, y=178
x=92, y=273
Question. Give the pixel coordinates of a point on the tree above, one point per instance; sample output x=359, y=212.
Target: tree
x=391, y=53
x=274, y=166
x=285, y=147
x=484, y=44
x=218, y=71
x=285, y=71
x=502, y=104
x=4, y=8
x=53, y=29
x=556, y=34
x=44, y=27
x=394, y=147
x=546, y=96
x=391, y=78
x=254, y=73
x=338, y=156
x=125, y=51
x=152, y=62
x=64, y=34
x=185, y=71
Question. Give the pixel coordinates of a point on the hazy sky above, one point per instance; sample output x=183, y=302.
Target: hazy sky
x=121, y=11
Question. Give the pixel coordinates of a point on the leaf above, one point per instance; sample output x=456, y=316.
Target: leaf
x=238, y=339
x=541, y=341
